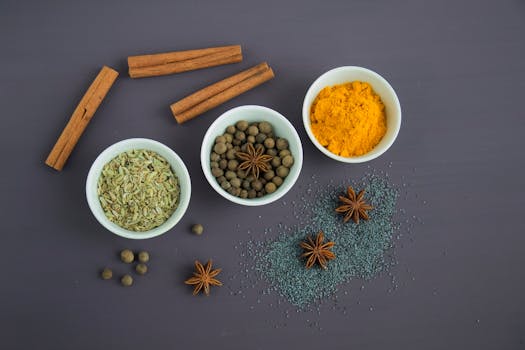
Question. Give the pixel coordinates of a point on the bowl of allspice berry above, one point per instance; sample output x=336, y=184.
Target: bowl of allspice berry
x=251, y=155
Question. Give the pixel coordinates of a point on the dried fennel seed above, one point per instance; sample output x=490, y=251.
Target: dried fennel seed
x=138, y=190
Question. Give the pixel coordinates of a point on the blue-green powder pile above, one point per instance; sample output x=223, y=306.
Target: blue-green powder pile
x=360, y=249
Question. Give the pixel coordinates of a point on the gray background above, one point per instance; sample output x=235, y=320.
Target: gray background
x=458, y=68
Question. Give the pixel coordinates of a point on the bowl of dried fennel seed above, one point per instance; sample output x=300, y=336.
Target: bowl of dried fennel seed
x=138, y=188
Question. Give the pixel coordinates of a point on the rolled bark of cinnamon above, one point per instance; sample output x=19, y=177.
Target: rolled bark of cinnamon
x=182, y=61
x=220, y=92
x=81, y=117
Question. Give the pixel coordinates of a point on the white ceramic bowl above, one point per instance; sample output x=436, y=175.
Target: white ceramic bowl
x=282, y=128
x=126, y=145
x=348, y=74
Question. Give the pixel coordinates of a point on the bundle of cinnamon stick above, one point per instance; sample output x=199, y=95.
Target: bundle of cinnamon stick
x=163, y=64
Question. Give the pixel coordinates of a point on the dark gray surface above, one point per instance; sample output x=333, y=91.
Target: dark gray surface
x=458, y=68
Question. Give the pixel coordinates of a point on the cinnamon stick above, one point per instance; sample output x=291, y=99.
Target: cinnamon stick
x=220, y=92
x=182, y=61
x=80, y=118
x=212, y=90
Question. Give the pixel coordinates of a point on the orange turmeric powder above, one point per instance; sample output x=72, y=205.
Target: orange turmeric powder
x=348, y=119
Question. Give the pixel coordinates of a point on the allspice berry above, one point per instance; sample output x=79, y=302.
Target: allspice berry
x=127, y=256
x=197, y=229
x=126, y=280
x=141, y=269
x=106, y=274
x=270, y=187
x=220, y=148
x=143, y=257
x=242, y=125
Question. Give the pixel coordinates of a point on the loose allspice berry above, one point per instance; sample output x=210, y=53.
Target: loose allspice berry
x=197, y=229
x=141, y=269
x=143, y=256
x=127, y=256
x=106, y=274
x=126, y=280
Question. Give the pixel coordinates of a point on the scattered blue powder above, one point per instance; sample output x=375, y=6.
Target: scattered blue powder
x=360, y=249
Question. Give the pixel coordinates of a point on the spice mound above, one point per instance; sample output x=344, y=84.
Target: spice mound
x=249, y=160
x=348, y=119
x=138, y=190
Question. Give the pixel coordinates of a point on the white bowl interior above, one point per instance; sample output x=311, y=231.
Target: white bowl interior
x=348, y=74
x=282, y=128
x=126, y=145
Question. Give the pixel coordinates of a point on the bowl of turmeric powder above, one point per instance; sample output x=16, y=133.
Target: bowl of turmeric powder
x=351, y=114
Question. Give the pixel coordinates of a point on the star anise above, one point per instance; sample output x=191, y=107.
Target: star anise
x=317, y=251
x=353, y=206
x=203, y=278
x=254, y=160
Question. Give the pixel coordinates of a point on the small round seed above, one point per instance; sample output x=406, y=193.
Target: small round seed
x=233, y=164
x=253, y=130
x=106, y=274
x=276, y=161
x=269, y=175
x=281, y=144
x=265, y=127
x=246, y=185
x=220, y=139
x=226, y=185
x=284, y=153
x=244, y=194
x=230, y=129
x=214, y=157
x=228, y=138
x=230, y=175
x=126, y=280
x=241, y=174
x=269, y=142
x=230, y=154
x=143, y=256
x=257, y=185
x=127, y=256
x=278, y=181
x=252, y=193
x=270, y=187
x=242, y=125
x=272, y=152
x=250, y=139
x=223, y=163
x=239, y=135
x=235, y=182
x=217, y=172
x=288, y=161
x=282, y=171
x=198, y=229
x=220, y=148
x=141, y=269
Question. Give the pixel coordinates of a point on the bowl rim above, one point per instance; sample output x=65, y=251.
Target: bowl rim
x=111, y=152
x=375, y=152
x=269, y=198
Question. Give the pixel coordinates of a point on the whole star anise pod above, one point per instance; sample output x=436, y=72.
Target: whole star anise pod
x=203, y=278
x=317, y=251
x=254, y=160
x=354, y=206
